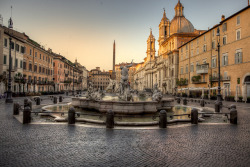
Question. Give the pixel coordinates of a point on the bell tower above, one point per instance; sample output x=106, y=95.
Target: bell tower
x=150, y=47
x=164, y=28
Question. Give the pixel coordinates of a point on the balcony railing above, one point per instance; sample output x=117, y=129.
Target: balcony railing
x=199, y=81
x=216, y=78
x=202, y=69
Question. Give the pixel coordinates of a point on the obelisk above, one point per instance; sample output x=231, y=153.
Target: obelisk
x=113, y=71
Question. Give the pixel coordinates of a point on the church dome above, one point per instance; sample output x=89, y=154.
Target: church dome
x=179, y=23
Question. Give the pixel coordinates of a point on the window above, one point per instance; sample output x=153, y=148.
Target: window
x=40, y=56
x=182, y=50
x=224, y=27
x=40, y=69
x=43, y=57
x=181, y=70
x=224, y=59
x=197, y=51
x=238, y=20
x=21, y=64
x=204, y=61
x=238, y=56
x=30, y=52
x=192, y=53
x=204, y=37
x=24, y=65
x=22, y=49
x=224, y=40
x=17, y=47
x=204, y=48
x=35, y=54
x=5, y=42
x=187, y=68
x=12, y=45
x=238, y=34
x=213, y=44
x=4, y=59
x=214, y=62
x=192, y=67
x=197, y=64
x=213, y=33
x=35, y=68
x=30, y=66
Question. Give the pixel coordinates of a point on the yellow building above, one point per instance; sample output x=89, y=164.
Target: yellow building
x=198, y=63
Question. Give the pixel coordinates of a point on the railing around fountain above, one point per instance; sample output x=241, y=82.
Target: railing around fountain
x=115, y=119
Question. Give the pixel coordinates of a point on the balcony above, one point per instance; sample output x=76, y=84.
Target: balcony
x=182, y=82
x=198, y=80
x=202, y=69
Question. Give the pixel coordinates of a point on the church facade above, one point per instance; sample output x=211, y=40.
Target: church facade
x=163, y=67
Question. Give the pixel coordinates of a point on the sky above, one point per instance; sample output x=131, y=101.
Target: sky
x=86, y=29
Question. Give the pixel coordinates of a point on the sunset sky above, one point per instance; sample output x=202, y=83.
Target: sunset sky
x=86, y=29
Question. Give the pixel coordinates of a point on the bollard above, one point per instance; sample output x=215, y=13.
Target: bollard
x=178, y=100
x=55, y=100
x=67, y=93
x=26, y=115
x=60, y=99
x=16, y=107
x=217, y=106
x=184, y=101
x=232, y=106
x=25, y=102
x=30, y=104
x=192, y=100
x=194, y=116
x=202, y=103
x=38, y=101
x=163, y=119
x=71, y=116
x=110, y=119
x=233, y=116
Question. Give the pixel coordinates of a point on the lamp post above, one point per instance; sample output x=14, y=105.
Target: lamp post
x=9, y=92
x=219, y=99
x=73, y=82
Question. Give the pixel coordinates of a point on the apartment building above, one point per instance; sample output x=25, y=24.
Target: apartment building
x=198, y=63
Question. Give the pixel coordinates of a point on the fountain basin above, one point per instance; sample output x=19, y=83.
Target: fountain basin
x=124, y=107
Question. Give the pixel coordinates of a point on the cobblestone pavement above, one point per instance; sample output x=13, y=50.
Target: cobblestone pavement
x=69, y=145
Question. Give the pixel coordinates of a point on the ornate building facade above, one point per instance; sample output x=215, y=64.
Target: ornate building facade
x=163, y=68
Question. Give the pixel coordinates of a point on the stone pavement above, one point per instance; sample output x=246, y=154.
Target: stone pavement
x=69, y=145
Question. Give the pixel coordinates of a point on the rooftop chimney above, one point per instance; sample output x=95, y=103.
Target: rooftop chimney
x=222, y=17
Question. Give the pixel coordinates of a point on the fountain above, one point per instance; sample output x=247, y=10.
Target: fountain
x=122, y=100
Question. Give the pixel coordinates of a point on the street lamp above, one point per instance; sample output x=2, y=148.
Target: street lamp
x=73, y=93
x=219, y=99
x=9, y=92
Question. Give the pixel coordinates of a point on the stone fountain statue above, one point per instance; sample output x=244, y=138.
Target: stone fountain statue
x=157, y=95
x=125, y=91
x=90, y=91
x=113, y=86
x=94, y=95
